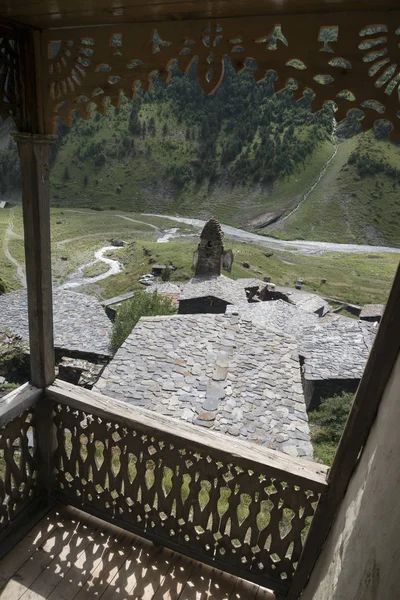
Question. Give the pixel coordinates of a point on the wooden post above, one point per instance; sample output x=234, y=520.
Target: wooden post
x=34, y=152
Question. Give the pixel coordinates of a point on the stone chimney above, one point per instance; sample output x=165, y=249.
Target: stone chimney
x=210, y=251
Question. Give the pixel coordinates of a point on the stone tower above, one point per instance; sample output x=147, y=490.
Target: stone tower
x=210, y=251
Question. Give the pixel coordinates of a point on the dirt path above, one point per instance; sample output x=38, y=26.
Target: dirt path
x=82, y=212
x=10, y=233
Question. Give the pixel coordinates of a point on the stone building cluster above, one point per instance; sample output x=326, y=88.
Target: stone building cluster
x=243, y=357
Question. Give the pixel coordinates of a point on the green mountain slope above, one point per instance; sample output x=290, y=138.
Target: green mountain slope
x=357, y=199
x=243, y=152
x=244, y=155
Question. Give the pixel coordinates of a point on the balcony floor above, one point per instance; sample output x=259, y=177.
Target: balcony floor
x=70, y=555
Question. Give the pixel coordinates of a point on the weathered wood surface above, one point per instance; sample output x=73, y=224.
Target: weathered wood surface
x=383, y=356
x=46, y=443
x=34, y=151
x=292, y=469
x=235, y=505
x=70, y=555
x=17, y=402
x=45, y=14
x=18, y=469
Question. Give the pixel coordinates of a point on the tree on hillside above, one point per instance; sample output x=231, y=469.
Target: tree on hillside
x=134, y=125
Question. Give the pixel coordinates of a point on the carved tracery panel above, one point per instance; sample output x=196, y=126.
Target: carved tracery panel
x=18, y=467
x=192, y=498
x=341, y=57
x=9, y=76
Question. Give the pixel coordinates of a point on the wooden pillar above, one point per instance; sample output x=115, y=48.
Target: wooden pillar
x=34, y=151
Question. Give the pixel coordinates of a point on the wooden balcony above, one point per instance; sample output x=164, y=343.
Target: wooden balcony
x=235, y=506
x=71, y=555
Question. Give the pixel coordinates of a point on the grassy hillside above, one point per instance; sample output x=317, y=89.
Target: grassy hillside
x=356, y=201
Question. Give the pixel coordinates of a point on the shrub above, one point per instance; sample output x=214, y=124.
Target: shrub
x=327, y=424
x=142, y=305
x=166, y=274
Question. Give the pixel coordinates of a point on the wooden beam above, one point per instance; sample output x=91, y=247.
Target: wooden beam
x=17, y=401
x=34, y=151
x=292, y=470
x=377, y=372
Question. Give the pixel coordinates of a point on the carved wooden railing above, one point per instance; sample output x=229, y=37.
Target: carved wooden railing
x=238, y=506
x=19, y=491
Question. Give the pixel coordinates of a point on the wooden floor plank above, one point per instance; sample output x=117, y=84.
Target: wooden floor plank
x=39, y=560
x=14, y=560
x=76, y=577
x=106, y=569
x=43, y=586
x=264, y=594
x=206, y=583
x=122, y=582
x=139, y=571
x=153, y=575
x=73, y=556
x=244, y=590
x=175, y=579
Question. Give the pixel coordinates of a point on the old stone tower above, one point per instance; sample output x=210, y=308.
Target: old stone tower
x=209, y=255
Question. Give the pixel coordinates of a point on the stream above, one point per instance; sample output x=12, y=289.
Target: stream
x=77, y=279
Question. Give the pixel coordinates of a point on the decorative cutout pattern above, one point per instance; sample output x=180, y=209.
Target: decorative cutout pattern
x=9, y=87
x=18, y=467
x=184, y=494
x=100, y=63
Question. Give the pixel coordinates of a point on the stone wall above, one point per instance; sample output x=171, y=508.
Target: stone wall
x=196, y=306
x=316, y=391
x=360, y=560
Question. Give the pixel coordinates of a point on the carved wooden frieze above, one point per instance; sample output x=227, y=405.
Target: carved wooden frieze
x=342, y=57
x=9, y=77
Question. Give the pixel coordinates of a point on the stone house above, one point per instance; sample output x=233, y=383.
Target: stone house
x=333, y=356
x=210, y=294
x=215, y=371
x=372, y=313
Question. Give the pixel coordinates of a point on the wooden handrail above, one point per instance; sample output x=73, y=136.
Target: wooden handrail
x=17, y=401
x=238, y=506
x=246, y=454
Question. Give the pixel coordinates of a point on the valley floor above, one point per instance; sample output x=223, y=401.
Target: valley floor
x=81, y=238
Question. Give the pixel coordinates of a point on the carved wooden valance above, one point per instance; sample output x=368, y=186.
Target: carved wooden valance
x=343, y=57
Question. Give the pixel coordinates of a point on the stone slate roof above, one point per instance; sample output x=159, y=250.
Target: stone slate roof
x=311, y=303
x=218, y=286
x=277, y=315
x=335, y=318
x=372, y=310
x=167, y=288
x=250, y=282
x=80, y=323
x=336, y=350
x=215, y=371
